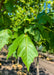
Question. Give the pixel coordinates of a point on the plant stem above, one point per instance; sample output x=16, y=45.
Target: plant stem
x=37, y=65
x=18, y=60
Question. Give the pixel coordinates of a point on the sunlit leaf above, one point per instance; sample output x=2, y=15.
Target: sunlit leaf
x=4, y=37
x=27, y=51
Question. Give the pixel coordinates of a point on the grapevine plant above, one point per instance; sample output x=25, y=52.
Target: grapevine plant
x=25, y=24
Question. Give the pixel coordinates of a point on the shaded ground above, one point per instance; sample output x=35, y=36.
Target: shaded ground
x=9, y=67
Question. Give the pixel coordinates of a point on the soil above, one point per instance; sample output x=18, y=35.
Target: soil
x=10, y=66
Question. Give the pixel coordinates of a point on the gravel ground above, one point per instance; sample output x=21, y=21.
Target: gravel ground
x=6, y=68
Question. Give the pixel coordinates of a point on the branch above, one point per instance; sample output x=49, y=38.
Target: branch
x=1, y=3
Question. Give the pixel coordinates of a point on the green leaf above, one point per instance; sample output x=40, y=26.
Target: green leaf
x=27, y=51
x=12, y=48
x=4, y=37
x=15, y=35
x=15, y=55
x=9, y=6
x=51, y=40
x=5, y=1
x=37, y=36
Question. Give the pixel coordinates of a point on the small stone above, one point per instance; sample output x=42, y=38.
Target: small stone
x=14, y=67
x=19, y=73
x=20, y=67
x=25, y=74
x=0, y=65
x=47, y=58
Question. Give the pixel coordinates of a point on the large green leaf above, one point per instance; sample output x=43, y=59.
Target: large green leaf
x=13, y=47
x=27, y=51
x=4, y=37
